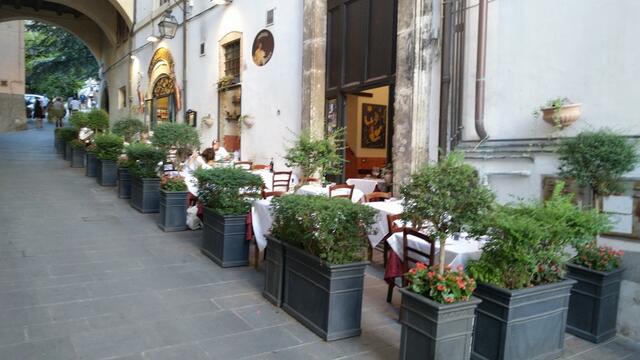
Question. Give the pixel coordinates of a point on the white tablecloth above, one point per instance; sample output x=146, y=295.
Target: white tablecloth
x=261, y=220
x=458, y=252
x=318, y=190
x=381, y=226
x=366, y=185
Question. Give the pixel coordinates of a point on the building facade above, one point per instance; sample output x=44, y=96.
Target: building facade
x=12, y=103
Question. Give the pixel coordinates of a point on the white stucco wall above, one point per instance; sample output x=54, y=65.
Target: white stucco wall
x=586, y=50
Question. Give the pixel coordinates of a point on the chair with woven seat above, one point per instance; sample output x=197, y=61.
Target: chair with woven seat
x=377, y=196
x=281, y=181
x=336, y=191
x=411, y=255
x=246, y=165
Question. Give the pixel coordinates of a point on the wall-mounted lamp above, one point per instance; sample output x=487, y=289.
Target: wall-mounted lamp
x=222, y=2
x=168, y=26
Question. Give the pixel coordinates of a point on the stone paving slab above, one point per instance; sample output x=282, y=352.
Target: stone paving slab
x=84, y=276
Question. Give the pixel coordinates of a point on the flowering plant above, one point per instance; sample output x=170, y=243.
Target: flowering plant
x=447, y=288
x=598, y=258
x=173, y=183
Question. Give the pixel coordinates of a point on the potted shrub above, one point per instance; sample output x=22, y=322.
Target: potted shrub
x=68, y=134
x=560, y=112
x=173, y=203
x=521, y=280
x=124, y=178
x=593, y=308
x=316, y=156
x=226, y=194
x=58, y=141
x=128, y=128
x=77, y=153
x=176, y=140
x=79, y=120
x=91, y=161
x=108, y=149
x=437, y=312
x=145, y=182
x=97, y=120
x=325, y=244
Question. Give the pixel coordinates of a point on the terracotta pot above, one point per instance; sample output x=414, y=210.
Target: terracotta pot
x=562, y=117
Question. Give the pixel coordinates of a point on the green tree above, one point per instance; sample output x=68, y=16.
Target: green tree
x=57, y=62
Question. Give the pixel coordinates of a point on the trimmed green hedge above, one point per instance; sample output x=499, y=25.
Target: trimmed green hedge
x=108, y=146
x=143, y=160
x=228, y=191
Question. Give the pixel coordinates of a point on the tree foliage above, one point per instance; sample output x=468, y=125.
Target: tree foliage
x=57, y=62
x=316, y=155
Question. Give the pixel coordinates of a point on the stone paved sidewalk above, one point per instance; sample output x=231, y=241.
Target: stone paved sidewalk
x=84, y=276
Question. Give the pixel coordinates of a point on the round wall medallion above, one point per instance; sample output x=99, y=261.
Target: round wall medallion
x=262, y=49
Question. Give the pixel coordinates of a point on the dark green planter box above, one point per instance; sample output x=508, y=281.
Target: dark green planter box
x=173, y=210
x=124, y=183
x=67, y=151
x=523, y=324
x=224, y=239
x=107, y=172
x=59, y=144
x=145, y=194
x=593, y=308
x=434, y=331
x=327, y=299
x=77, y=157
x=274, y=271
x=91, y=165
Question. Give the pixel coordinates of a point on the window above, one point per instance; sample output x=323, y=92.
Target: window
x=122, y=97
x=232, y=59
x=202, y=49
x=270, y=15
x=162, y=2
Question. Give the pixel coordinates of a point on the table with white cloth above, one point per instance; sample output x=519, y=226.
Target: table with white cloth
x=381, y=227
x=267, y=178
x=319, y=190
x=261, y=220
x=367, y=185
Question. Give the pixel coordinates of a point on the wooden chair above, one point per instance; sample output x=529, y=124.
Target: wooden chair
x=247, y=165
x=268, y=194
x=259, y=167
x=376, y=196
x=341, y=194
x=411, y=255
x=281, y=180
x=309, y=180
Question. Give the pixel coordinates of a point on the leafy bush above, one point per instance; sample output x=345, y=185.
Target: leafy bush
x=333, y=229
x=448, y=197
x=98, y=120
x=173, y=183
x=598, y=258
x=597, y=159
x=108, y=146
x=127, y=128
x=446, y=288
x=143, y=160
x=79, y=120
x=68, y=133
x=182, y=137
x=228, y=191
x=56, y=133
x=77, y=144
x=528, y=241
x=316, y=155
x=91, y=148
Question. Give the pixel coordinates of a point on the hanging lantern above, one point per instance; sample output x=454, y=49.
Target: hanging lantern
x=168, y=26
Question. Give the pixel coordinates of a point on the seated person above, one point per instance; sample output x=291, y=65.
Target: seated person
x=209, y=156
x=220, y=152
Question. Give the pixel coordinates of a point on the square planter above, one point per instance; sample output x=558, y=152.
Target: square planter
x=145, y=194
x=59, y=144
x=77, y=157
x=124, y=183
x=91, y=165
x=224, y=239
x=173, y=210
x=327, y=299
x=107, y=172
x=435, y=331
x=274, y=271
x=523, y=324
x=593, y=308
x=67, y=150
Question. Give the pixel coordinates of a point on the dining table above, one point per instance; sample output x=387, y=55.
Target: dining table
x=367, y=184
x=312, y=189
x=380, y=228
x=261, y=221
x=267, y=178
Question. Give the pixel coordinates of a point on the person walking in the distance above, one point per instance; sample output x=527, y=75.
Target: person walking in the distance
x=57, y=111
x=38, y=113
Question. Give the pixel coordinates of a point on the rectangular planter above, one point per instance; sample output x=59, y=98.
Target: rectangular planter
x=274, y=271
x=59, y=143
x=173, y=210
x=224, y=239
x=77, y=157
x=435, y=331
x=124, y=183
x=91, y=165
x=593, y=308
x=67, y=151
x=107, y=172
x=145, y=194
x=523, y=324
x=327, y=299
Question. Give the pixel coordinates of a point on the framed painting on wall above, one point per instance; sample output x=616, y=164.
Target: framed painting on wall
x=374, y=126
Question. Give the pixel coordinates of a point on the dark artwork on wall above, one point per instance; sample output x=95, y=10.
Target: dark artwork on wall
x=262, y=49
x=374, y=126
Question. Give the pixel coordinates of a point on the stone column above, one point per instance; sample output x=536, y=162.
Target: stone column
x=314, y=66
x=417, y=86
